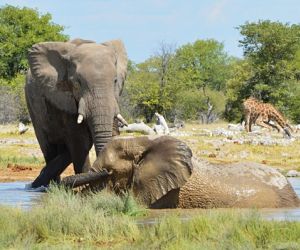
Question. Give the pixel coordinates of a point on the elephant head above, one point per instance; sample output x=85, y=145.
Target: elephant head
x=82, y=78
x=151, y=167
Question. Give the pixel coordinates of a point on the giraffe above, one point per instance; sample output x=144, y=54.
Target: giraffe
x=262, y=114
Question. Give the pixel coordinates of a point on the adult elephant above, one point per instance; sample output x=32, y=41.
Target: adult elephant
x=163, y=174
x=72, y=91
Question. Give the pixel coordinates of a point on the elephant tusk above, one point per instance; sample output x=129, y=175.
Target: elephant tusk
x=121, y=119
x=80, y=118
x=81, y=110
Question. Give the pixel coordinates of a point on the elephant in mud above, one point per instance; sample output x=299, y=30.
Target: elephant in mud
x=163, y=174
x=72, y=92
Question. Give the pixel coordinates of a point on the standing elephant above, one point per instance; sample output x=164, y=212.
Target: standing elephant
x=163, y=174
x=72, y=92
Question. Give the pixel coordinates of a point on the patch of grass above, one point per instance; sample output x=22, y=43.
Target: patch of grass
x=23, y=160
x=11, y=131
x=65, y=220
x=68, y=219
x=215, y=229
x=20, y=154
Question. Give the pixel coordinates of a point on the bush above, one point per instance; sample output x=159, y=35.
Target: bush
x=195, y=105
x=12, y=101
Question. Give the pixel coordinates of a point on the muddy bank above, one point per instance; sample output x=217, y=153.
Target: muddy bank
x=16, y=172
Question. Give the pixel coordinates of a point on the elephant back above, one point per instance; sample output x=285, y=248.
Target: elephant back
x=236, y=185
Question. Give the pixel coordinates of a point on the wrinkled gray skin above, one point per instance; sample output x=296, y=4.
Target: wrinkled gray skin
x=163, y=174
x=65, y=80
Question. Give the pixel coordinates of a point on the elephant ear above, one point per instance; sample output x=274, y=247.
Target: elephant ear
x=48, y=67
x=121, y=60
x=165, y=165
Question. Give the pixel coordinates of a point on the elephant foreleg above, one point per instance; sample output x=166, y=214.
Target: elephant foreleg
x=52, y=170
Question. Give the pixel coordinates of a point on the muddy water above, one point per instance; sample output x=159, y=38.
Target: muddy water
x=14, y=194
x=285, y=213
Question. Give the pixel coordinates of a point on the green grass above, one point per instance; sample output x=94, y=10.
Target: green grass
x=214, y=229
x=20, y=154
x=22, y=160
x=65, y=220
x=11, y=131
x=20, y=151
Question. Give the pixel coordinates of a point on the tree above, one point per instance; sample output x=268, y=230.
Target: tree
x=270, y=70
x=164, y=58
x=202, y=64
x=238, y=88
x=202, y=68
x=150, y=86
x=20, y=28
x=160, y=83
x=271, y=47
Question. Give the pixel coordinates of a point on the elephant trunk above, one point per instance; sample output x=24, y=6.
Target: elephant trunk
x=102, y=128
x=78, y=180
x=100, y=113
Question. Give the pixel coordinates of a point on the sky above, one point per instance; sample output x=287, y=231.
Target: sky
x=144, y=24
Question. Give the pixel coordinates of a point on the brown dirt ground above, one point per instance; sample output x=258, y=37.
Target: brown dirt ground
x=16, y=172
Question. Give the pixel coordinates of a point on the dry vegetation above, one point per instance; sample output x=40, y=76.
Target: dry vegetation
x=223, y=149
x=21, y=158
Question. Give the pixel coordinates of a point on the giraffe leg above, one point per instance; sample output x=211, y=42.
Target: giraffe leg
x=275, y=125
x=248, y=122
x=264, y=123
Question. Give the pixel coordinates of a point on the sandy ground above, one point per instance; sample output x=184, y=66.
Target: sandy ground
x=216, y=143
x=15, y=172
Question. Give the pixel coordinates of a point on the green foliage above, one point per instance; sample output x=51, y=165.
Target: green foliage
x=195, y=81
x=237, y=89
x=272, y=50
x=147, y=93
x=20, y=28
x=64, y=217
x=291, y=106
x=222, y=230
x=270, y=70
x=192, y=104
x=202, y=64
x=183, y=83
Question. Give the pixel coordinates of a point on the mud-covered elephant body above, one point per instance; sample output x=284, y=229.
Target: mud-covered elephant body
x=72, y=91
x=163, y=174
x=240, y=185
